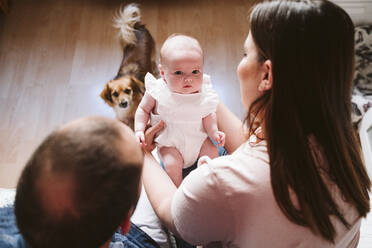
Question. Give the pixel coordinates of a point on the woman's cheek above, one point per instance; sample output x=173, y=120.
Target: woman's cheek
x=242, y=71
x=239, y=68
x=241, y=75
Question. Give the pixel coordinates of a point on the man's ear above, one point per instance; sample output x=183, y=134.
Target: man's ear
x=267, y=76
x=125, y=225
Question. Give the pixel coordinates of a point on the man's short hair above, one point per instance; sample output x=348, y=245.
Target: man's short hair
x=78, y=187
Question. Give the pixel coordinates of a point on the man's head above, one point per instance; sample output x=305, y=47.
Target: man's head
x=80, y=185
x=181, y=64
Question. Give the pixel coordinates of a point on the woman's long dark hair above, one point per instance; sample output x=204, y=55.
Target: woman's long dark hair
x=311, y=46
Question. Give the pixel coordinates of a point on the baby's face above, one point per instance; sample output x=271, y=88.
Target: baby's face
x=182, y=70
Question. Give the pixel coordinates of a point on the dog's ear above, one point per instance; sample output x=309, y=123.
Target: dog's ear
x=138, y=87
x=106, y=94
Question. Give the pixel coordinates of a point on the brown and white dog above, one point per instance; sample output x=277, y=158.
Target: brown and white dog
x=126, y=90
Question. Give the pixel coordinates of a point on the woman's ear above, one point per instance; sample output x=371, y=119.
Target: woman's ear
x=267, y=76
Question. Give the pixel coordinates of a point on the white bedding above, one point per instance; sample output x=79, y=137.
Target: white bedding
x=6, y=197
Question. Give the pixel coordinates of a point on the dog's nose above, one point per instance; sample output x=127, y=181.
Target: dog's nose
x=123, y=104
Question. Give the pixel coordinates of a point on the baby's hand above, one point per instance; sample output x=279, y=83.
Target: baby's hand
x=219, y=137
x=140, y=136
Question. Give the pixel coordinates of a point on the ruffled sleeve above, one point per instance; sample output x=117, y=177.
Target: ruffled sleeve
x=210, y=97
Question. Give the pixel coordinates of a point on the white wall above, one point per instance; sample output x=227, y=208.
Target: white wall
x=359, y=10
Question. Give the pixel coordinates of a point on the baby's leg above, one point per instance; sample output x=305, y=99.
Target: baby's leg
x=173, y=163
x=208, y=149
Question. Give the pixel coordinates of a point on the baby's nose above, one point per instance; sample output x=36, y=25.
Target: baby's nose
x=187, y=79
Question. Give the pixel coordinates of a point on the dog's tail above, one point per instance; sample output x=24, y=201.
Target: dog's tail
x=125, y=20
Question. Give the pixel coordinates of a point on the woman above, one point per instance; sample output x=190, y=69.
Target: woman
x=299, y=180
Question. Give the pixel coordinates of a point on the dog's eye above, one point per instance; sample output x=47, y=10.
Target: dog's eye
x=115, y=94
x=127, y=91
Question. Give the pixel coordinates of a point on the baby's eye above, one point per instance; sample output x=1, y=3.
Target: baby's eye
x=245, y=55
x=195, y=72
x=178, y=72
x=127, y=91
x=115, y=94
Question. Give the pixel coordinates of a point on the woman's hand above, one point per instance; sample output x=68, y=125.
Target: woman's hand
x=150, y=133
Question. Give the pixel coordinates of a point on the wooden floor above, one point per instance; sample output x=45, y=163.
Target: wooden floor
x=55, y=57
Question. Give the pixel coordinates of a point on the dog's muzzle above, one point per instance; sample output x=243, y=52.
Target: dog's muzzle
x=123, y=104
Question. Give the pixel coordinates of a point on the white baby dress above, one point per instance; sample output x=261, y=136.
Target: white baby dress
x=182, y=115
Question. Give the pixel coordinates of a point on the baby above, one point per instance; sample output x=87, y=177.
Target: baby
x=184, y=99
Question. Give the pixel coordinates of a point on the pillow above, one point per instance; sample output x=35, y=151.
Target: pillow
x=363, y=59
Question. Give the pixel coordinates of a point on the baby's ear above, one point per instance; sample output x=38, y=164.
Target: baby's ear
x=162, y=72
x=160, y=67
x=106, y=94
